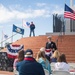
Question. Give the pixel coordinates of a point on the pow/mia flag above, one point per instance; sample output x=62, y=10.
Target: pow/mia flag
x=18, y=30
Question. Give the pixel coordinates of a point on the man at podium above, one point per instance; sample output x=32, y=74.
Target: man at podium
x=50, y=47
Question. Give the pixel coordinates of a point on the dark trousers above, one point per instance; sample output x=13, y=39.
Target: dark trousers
x=48, y=58
x=32, y=31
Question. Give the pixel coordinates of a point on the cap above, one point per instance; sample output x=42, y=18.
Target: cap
x=28, y=53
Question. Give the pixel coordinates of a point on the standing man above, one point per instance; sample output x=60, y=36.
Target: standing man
x=30, y=66
x=50, y=48
x=32, y=27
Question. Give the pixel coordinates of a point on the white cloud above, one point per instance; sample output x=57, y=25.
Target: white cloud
x=57, y=9
x=1, y=26
x=41, y=4
x=7, y=15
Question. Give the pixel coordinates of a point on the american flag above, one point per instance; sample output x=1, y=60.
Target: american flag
x=69, y=13
x=12, y=50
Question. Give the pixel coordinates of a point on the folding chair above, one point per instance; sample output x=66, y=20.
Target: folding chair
x=60, y=73
x=46, y=72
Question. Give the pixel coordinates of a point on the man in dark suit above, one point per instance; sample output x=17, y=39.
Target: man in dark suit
x=50, y=48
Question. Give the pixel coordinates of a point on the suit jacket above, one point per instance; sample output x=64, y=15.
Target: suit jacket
x=51, y=45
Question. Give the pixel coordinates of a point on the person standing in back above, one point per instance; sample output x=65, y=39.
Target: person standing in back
x=32, y=27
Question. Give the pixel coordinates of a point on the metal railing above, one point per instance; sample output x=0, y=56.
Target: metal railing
x=7, y=39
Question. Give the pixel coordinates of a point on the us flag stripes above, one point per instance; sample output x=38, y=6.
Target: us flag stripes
x=69, y=13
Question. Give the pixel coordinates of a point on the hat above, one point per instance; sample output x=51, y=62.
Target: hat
x=28, y=53
x=49, y=37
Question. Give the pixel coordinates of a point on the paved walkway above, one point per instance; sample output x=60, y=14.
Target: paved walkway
x=6, y=73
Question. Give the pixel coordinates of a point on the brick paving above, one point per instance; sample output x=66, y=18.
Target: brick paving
x=6, y=73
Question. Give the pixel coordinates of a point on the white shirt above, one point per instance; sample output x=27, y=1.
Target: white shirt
x=62, y=66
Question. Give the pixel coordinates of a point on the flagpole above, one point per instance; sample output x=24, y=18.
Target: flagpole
x=22, y=26
x=64, y=25
x=8, y=38
x=65, y=2
x=71, y=5
x=2, y=39
x=12, y=37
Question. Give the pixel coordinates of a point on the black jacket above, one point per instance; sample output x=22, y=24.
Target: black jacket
x=51, y=45
x=32, y=27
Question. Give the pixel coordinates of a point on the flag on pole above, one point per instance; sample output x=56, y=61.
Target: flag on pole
x=69, y=13
x=18, y=30
x=12, y=50
x=5, y=36
x=26, y=24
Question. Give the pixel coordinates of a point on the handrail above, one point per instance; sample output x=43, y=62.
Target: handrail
x=7, y=38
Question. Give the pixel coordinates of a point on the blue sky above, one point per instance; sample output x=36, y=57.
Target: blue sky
x=38, y=11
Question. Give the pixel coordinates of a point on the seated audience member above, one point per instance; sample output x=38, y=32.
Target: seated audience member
x=42, y=49
x=62, y=63
x=41, y=58
x=55, y=55
x=30, y=66
x=20, y=57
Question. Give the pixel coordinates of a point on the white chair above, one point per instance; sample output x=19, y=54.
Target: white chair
x=16, y=72
x=46, y=72
x=60, y=73
x=52, y=66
